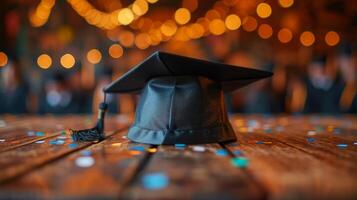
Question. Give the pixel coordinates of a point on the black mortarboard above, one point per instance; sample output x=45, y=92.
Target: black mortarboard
x=181, y=100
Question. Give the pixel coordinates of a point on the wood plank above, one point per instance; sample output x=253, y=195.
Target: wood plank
x=291, y=168
x=195, y=175
x=114, y=166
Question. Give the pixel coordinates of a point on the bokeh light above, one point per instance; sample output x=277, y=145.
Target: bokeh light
x=233, y=22
x=44, y=61
x=115, y=51
x=217, y=27
x=3, y=59
x=67, y=61
x=249, y=24
x=152, y=1
x=265, y=31
x=332, y=38
x=94, y=56
x=142, y=41
x=286, y=3
x=307, y=38
x=168, y=28
x=264, y=10
x=140, y=7
x=285, y=35
x=126, y=38
x=125, y=16
x=182, y=16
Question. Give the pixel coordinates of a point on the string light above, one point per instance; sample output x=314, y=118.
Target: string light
x=140, y=7
x=115, y=51
x=168, y=28
x=67, y=61
x=285, y=35
x=44, y=61
x=125, y=16
x=249, y=23
x=94, y=56
x=191, y=5
x=142, y=41
x=3, y=59
x=233, y=22
x=332, y=38
x=265, y=31
x=286, y=3
x=217, y=27
x=126, y=38
x=263, y=10
x=182, y=16
x=40, y=15
x=307, y=38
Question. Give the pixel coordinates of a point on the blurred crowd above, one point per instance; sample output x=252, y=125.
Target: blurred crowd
x=327, y=84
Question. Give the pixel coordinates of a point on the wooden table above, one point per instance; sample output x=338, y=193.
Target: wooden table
x=290, y=157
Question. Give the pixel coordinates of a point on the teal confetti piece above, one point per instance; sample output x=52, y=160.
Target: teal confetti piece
x=342, y=146
x=73, y=145
x=155, y=181
x=137, y=148
x=239, y=162
x=221, y=152
x=40, y=134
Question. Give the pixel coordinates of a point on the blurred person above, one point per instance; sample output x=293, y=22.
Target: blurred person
x=14, y=90
x=57, y=97
x=324, y=88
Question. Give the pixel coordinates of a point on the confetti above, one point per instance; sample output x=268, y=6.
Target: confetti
x=155, y=181
x=62, y=137
x=137, y=148
x=199, y=148
x=2, y=140
x=40, y=134
x=118, y=144
x=180, y=145
x=73, y=145
x=337, y=131
x=63, y=132
x=31, y=133
x=233, y=144
x=237, y=152
x=259, y=142
x=124, y=137
x=310, y=140
x=2, y=123
x=84, y=161
x=152, y=150
x=311, y=133
x=355, y=143
x=134, y=152
x=342, y=146
x=40, y=142
x=239, y=162
x=86, y=153
x=221, y=152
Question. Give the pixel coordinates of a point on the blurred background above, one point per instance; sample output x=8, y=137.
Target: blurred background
x=56, y=56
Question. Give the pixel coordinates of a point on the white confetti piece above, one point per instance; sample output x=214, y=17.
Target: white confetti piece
x=199, y=148
x=85, y=161
x=40, y=142
x=2, y=140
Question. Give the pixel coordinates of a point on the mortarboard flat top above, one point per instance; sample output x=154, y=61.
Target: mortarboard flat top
x=166, y=64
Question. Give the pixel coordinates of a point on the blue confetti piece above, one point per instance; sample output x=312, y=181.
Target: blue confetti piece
x=40, y=134
x=259, y=142
x=180, y=145
x=342, y=146
x=310, y=140
x=86, y=153
x=221, y=152
x=155, y=181
x=239, y=162
x=137, y=148
x=52, y=142
x=238, y=152
x=60, y=142
x=73, y=145
x=336, y=131
x=234, y=144
x=31, y=133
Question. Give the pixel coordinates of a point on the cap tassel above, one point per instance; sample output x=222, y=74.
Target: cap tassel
x=93, y=134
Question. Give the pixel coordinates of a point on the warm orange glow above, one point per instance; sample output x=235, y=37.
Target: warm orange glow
x=44, y=61
x=125, y=16
x=263, y=10
x=195, y=31
x=152, y=1
x=67, y=61
x=40, y=15
x=115, y=51
x=3, y=59
x=126, y=38
x=94, y=56
x=191, y=5
x=286, y=3
x=140, y=7
x=332, y=38
x=249, y=23
x=265, y=31
x=168, y=28
x=307, y=38
x=142, y=41
x=285, y=35
x=233, y=22
x=182, y=16
x=212, y=14
x=217, y=27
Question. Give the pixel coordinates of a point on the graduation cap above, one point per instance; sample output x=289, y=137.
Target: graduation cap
x=181, y=101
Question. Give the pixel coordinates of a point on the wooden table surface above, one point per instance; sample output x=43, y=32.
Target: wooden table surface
x=289, y=157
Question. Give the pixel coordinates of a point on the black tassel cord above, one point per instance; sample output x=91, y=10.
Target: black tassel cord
x=93, y=134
